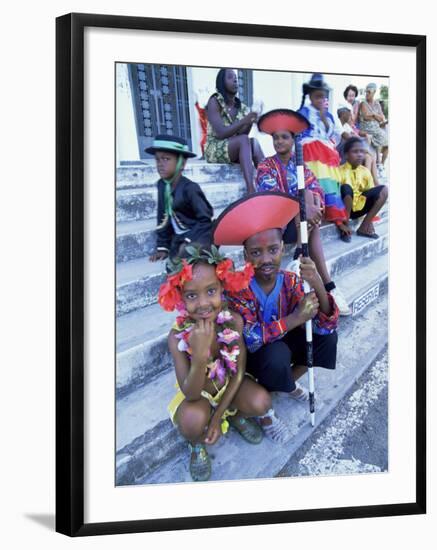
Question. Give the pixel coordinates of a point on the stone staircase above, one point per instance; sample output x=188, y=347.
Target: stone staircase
x=148, y=448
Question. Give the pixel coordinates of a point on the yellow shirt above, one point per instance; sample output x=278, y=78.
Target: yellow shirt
x=360, y=179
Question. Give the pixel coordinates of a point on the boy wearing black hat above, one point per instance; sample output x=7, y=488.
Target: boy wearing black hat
x=184, y=213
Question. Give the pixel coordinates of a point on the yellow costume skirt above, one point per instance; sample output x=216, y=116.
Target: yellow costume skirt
x=213, y=400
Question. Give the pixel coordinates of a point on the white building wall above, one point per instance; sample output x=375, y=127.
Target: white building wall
x=126, y=130
x=201, y=80
x=271, y=89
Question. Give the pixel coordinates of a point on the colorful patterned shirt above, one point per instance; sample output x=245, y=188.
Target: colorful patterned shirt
x=257, y=331
x=273, y=175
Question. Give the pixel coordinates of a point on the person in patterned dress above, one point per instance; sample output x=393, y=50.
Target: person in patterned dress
x=229, y=123
x=373, y=122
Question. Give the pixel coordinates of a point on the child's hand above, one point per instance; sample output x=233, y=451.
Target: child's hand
x=159, y=255
x=201, y=339
x=308, y=271
x=314, y=209
x=214, y=431
x=251, y=117
x=308, y=307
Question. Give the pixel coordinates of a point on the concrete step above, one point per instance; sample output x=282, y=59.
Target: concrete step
x=137, y=239
x=142, y=350
x=136, y=191
x=140, y=203
x=145, y=174
x=150, y=450
x=138, y=280
x=341, y=256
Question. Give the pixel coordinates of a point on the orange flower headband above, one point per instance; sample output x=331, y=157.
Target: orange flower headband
x=170, y=296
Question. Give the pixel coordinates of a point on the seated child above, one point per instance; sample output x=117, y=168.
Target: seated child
x=274, y=307
x=347, y=131
x=209, y=356
x=360, y=196
x=279, y=173
x=184, y=213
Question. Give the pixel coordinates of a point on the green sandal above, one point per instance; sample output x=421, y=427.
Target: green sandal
x=200, y=463
x=247, y=428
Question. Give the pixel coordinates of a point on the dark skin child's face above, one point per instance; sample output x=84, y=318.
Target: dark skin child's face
x=317, y=98
x=202, y=295
x=355, y=155
x=166, y=164
x=345, y=117
x=283, y=142
x=264, y=252
x=231, y=81
x=350, y=96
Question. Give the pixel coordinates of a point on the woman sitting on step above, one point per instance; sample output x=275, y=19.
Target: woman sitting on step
x=209, y=356
x=229, y=123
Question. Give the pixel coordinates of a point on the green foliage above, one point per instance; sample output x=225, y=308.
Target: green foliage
x=195, y=253
x=383, y=95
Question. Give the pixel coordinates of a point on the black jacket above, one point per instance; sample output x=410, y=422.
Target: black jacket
x=191, y=210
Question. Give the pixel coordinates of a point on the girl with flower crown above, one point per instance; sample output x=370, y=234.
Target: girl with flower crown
x=209, y=356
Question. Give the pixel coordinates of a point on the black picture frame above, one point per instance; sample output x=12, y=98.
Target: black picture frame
x=70, y=273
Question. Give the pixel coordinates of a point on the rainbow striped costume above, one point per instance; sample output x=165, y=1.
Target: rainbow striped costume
x=322, y=158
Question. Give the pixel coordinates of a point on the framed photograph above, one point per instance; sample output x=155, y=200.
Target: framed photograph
x=164, y=129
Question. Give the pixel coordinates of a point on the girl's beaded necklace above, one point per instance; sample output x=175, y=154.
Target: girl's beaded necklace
x=227, y=337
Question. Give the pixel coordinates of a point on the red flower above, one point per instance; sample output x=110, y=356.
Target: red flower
x=186, y=273
x=173, y=280
x=181, y=277
x=168, y=296
x=237, y=280
x=223, y=268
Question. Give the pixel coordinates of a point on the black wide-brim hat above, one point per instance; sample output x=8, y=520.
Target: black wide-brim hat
x=282, y=119
x=173, y=144
x=316, y=83
x=253, y=214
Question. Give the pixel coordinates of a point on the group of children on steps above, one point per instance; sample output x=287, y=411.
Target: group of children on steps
x=239, y=334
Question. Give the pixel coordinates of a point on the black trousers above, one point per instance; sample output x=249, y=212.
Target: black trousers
x=372, y=195
x=270, y=365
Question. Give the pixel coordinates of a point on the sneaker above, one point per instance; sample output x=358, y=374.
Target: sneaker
x=200, y=463
x=247, y=428
x=299, y=393
x=276, y=431
x=341, y=302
